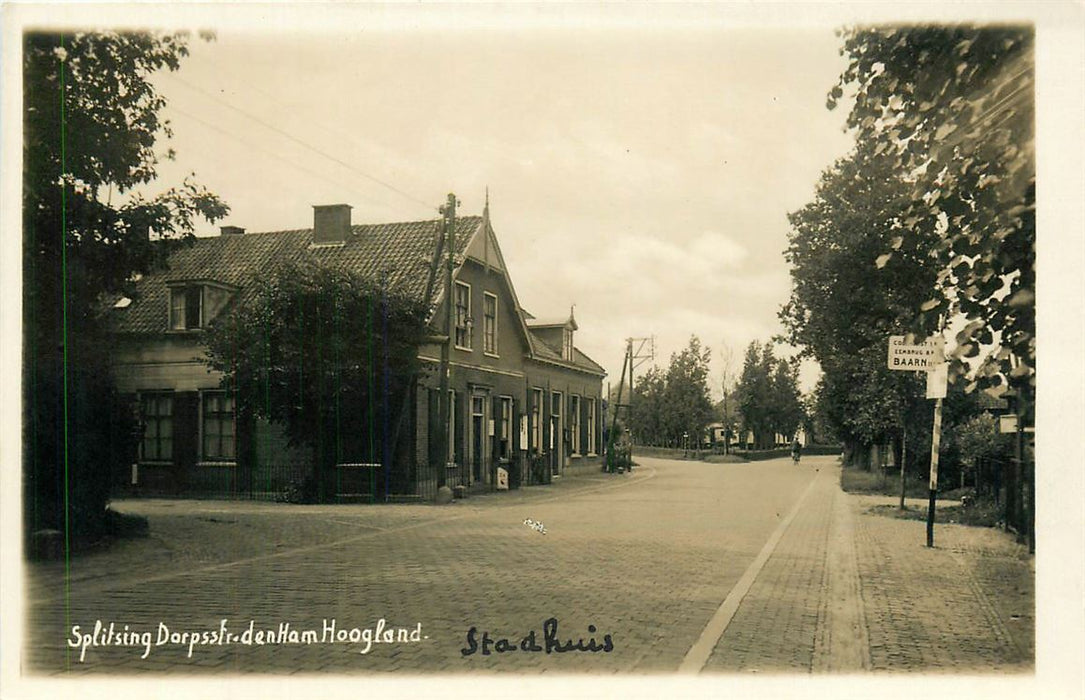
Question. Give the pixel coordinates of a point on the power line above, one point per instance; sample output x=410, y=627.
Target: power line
x=300, y=142
x=268, y=151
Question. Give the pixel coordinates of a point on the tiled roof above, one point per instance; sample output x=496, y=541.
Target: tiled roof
x=583, y=360
x=403, y=251
x=544, y=351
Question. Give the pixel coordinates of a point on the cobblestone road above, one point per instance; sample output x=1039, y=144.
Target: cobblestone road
x=648, y=559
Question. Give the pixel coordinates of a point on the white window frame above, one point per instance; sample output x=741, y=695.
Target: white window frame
x=217, y=460
x=567, y=344
x=466, y=326
x=591, y=427
x=557, y=437
x=171, y=419
x=489, y=335
x=180, y=322
x=537, y=395
x=504, y=427
x=574, y=424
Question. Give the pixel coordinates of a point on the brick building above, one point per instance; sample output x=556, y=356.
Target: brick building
x=523, y=396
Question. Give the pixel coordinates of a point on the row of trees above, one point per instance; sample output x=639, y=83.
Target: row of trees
x=929, y=221
x=672, y=407
x=767, y=396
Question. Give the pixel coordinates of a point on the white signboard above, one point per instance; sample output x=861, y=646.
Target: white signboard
x=937, y=379
x=915, y=358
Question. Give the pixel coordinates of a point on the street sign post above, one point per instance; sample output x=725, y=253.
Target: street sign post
x=925, y=356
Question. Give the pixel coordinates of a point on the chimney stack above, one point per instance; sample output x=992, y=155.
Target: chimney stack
x=331, y=224
x=231, y=230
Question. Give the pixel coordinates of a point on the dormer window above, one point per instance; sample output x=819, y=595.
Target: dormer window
x=567, y=344
x=186, y=305
x=194, y=304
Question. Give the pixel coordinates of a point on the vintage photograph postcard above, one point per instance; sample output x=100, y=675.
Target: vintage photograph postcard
x=543, y=349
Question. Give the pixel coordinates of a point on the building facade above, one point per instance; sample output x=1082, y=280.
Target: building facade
x=524, y=399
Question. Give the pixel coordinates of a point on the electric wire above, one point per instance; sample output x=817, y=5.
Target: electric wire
x=300, y=142
x=269, y=152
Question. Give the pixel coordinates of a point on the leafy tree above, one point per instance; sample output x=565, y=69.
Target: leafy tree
x=768, y=395
x=755, y=393
x=952, y=109
x=687, y=403
x=787, y=410
x=329, y=355
x=91, y=129
x=978, y=442
x=863, y=403
x=844, y=306
x=841, y=300
x=648, y=418
x=727, y=408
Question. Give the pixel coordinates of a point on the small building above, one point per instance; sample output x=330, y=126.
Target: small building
x=524, y=397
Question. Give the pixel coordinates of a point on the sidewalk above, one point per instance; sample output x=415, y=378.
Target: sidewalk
x=967, y=603
x=849, y=591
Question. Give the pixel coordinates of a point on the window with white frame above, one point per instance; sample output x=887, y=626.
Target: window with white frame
x=195, y=305
x=218, y=427
x=156, y=412
x=186, y=306
x=567, y=345
x=556, y=437
x=504, y=428
x=489, y=323
x=463, y=315
x=591, y=426
x=536, y=423
x=574, y=423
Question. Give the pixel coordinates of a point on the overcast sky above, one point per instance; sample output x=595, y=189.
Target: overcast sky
x=644, y=175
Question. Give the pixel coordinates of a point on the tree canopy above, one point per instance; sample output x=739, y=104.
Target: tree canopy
x=843, y=306
x=768, y=395
x=326, y=354
x=952, y=109
x=92, y=140
x=671, y=405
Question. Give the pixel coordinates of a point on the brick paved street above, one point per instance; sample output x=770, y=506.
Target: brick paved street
x=805, y=580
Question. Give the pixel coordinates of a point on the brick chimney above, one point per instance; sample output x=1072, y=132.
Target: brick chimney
x=331, y=224
x=231, y=230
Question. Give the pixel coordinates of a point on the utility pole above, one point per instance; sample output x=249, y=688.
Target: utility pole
x=614, y=418
x=629, y=361
x=636, y=357
x=448, y=211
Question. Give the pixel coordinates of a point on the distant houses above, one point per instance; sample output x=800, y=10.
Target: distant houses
x=524, y=398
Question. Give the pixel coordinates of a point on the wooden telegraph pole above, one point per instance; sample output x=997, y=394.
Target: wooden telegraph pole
x=444, y=403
